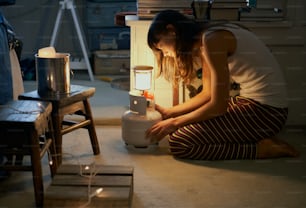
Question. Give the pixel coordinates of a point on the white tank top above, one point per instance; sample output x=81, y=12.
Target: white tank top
x=255, y=68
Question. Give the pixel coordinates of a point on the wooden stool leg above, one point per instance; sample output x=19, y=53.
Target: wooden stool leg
x=91, y=128
x=52, y=149
x=53, y=166
x=37, y=171
x=57, y=127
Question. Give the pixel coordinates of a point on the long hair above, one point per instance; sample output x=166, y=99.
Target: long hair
x=186, y=30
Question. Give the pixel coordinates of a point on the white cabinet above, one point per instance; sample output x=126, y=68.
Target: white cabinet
x=141, y=54
x=293, y=61
x=286, y=40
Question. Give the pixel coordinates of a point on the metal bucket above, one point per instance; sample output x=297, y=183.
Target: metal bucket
x=53, y=74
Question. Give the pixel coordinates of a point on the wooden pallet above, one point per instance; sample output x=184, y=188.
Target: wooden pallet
x=70, y=189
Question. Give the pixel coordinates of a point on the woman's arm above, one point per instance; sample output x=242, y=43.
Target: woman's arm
x=191, y=104
x=213, y=99
x=215, y=50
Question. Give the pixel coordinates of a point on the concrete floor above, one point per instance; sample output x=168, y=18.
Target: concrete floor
x=161, y=181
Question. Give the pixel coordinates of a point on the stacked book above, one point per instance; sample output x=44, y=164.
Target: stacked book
x=220, y=9
x=147, y=9
x=227, y=9
x=262, y=15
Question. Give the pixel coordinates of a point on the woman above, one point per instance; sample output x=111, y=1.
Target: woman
x=212, y=125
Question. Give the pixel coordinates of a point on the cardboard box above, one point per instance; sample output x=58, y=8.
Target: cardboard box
x=112, y=62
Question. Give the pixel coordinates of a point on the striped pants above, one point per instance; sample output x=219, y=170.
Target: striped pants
x=233, y=135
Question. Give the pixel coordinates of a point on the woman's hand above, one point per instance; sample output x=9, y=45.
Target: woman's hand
x=163, y=111
x=161, y=129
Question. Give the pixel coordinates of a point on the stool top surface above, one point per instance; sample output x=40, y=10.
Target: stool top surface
x=77, y=93
x=23, y=112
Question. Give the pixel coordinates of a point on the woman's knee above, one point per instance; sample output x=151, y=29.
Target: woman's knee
x=180, y=149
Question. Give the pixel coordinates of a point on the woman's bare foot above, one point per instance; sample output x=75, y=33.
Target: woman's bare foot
x=274, y=148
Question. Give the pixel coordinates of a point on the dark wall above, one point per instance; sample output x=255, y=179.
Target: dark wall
x=33, y=22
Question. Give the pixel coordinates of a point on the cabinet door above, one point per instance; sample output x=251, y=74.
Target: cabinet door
x=102, y=14
x=292, y=61
x=287, y=43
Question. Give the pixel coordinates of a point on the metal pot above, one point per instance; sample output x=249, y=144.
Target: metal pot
x=53, y=74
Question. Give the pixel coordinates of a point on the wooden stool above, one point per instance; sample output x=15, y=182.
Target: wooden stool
x=74, y=103
x=26, y=130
